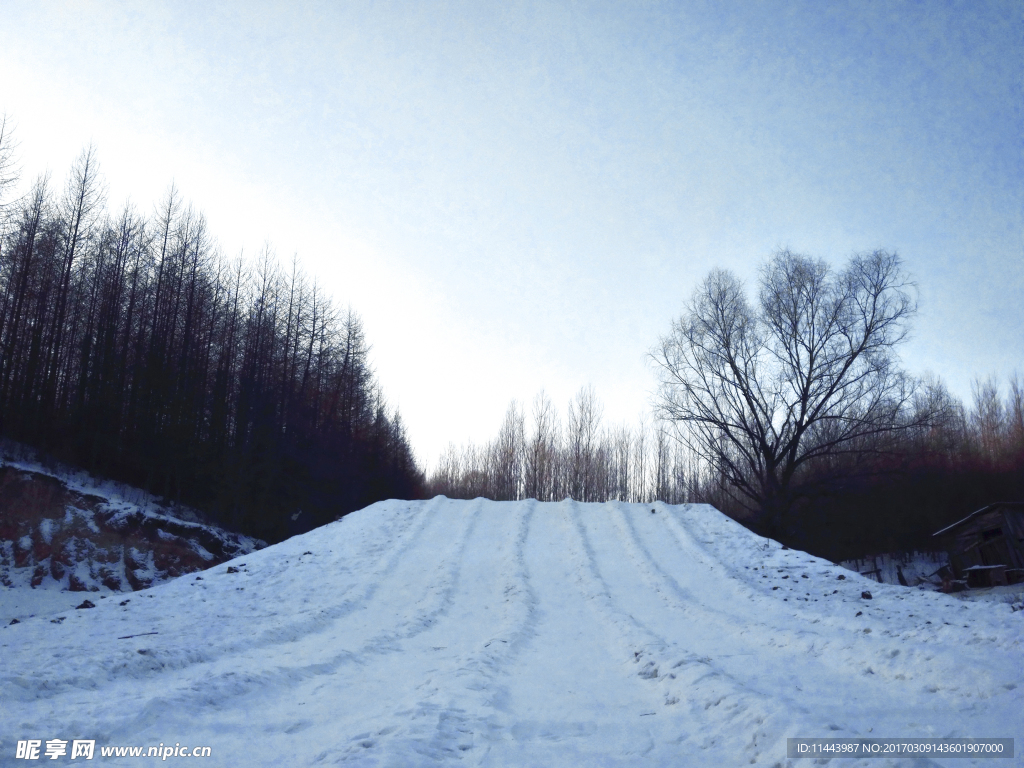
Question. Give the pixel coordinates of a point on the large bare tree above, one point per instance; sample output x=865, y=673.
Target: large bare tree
x=807, y=374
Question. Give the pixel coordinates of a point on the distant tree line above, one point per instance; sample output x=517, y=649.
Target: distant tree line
x=541, y=456
x=889, y=496
x=131, y=347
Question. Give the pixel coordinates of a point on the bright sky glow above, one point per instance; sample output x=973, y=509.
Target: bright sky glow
x=517, y=196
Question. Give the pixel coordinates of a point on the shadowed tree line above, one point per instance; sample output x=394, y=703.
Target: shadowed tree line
x=131, y=347
x=897, y=495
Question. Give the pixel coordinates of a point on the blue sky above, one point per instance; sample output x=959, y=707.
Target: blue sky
x=519, y=196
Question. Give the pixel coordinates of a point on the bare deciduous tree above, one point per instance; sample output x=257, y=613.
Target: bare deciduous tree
x=988, y=418
x=760, y=392
x=508, y=454
x=582, y=444
x=542, y=450
x=1015, y=411
x=9, y=172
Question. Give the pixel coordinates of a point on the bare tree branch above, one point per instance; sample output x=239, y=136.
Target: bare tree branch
x=811, y=372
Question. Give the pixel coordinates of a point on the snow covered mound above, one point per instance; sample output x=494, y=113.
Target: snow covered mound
x=513, y=634
x=58, y=537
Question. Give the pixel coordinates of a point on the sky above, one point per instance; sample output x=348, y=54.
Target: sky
x=520, y=196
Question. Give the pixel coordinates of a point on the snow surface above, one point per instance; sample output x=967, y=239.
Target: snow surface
x=517, y=634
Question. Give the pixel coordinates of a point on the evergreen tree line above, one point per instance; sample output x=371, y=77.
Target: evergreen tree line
x=131, y=347
x=888, y=495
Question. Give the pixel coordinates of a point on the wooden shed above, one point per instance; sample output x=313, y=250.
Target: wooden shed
x=986, y=548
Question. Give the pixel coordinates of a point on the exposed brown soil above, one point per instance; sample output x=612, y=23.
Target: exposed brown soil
x=82, y=542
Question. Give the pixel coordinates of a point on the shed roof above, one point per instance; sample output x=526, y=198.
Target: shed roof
x=1012, y=504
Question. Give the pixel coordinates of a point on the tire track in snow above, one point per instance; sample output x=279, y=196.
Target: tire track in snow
x=240, y=674
x=727, y=701
x=682, y=678
x=633, y=633
x=415, y=707
x=838, y=651
x=457, y=706
x=642, y=651
x=411, y=535
x=682, y=522
x=722, y=632
x=792, y=629
x=701, y=563
x=124, y=666
x=834, y=641
x=439, y=592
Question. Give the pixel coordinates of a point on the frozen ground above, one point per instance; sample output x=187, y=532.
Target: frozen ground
x=517, y=634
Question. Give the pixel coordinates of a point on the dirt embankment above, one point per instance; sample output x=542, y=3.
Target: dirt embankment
x=86, y=542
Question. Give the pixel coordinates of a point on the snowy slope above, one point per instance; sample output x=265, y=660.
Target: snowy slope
x=516, y=633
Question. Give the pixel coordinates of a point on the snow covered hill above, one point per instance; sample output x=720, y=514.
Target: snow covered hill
x=516, y=633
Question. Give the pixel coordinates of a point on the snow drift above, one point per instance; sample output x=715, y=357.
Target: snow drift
x=516, y=633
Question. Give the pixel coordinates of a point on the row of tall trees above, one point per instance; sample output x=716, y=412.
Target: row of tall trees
x=545, y=457
x=131, y=346
x=889, y=496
